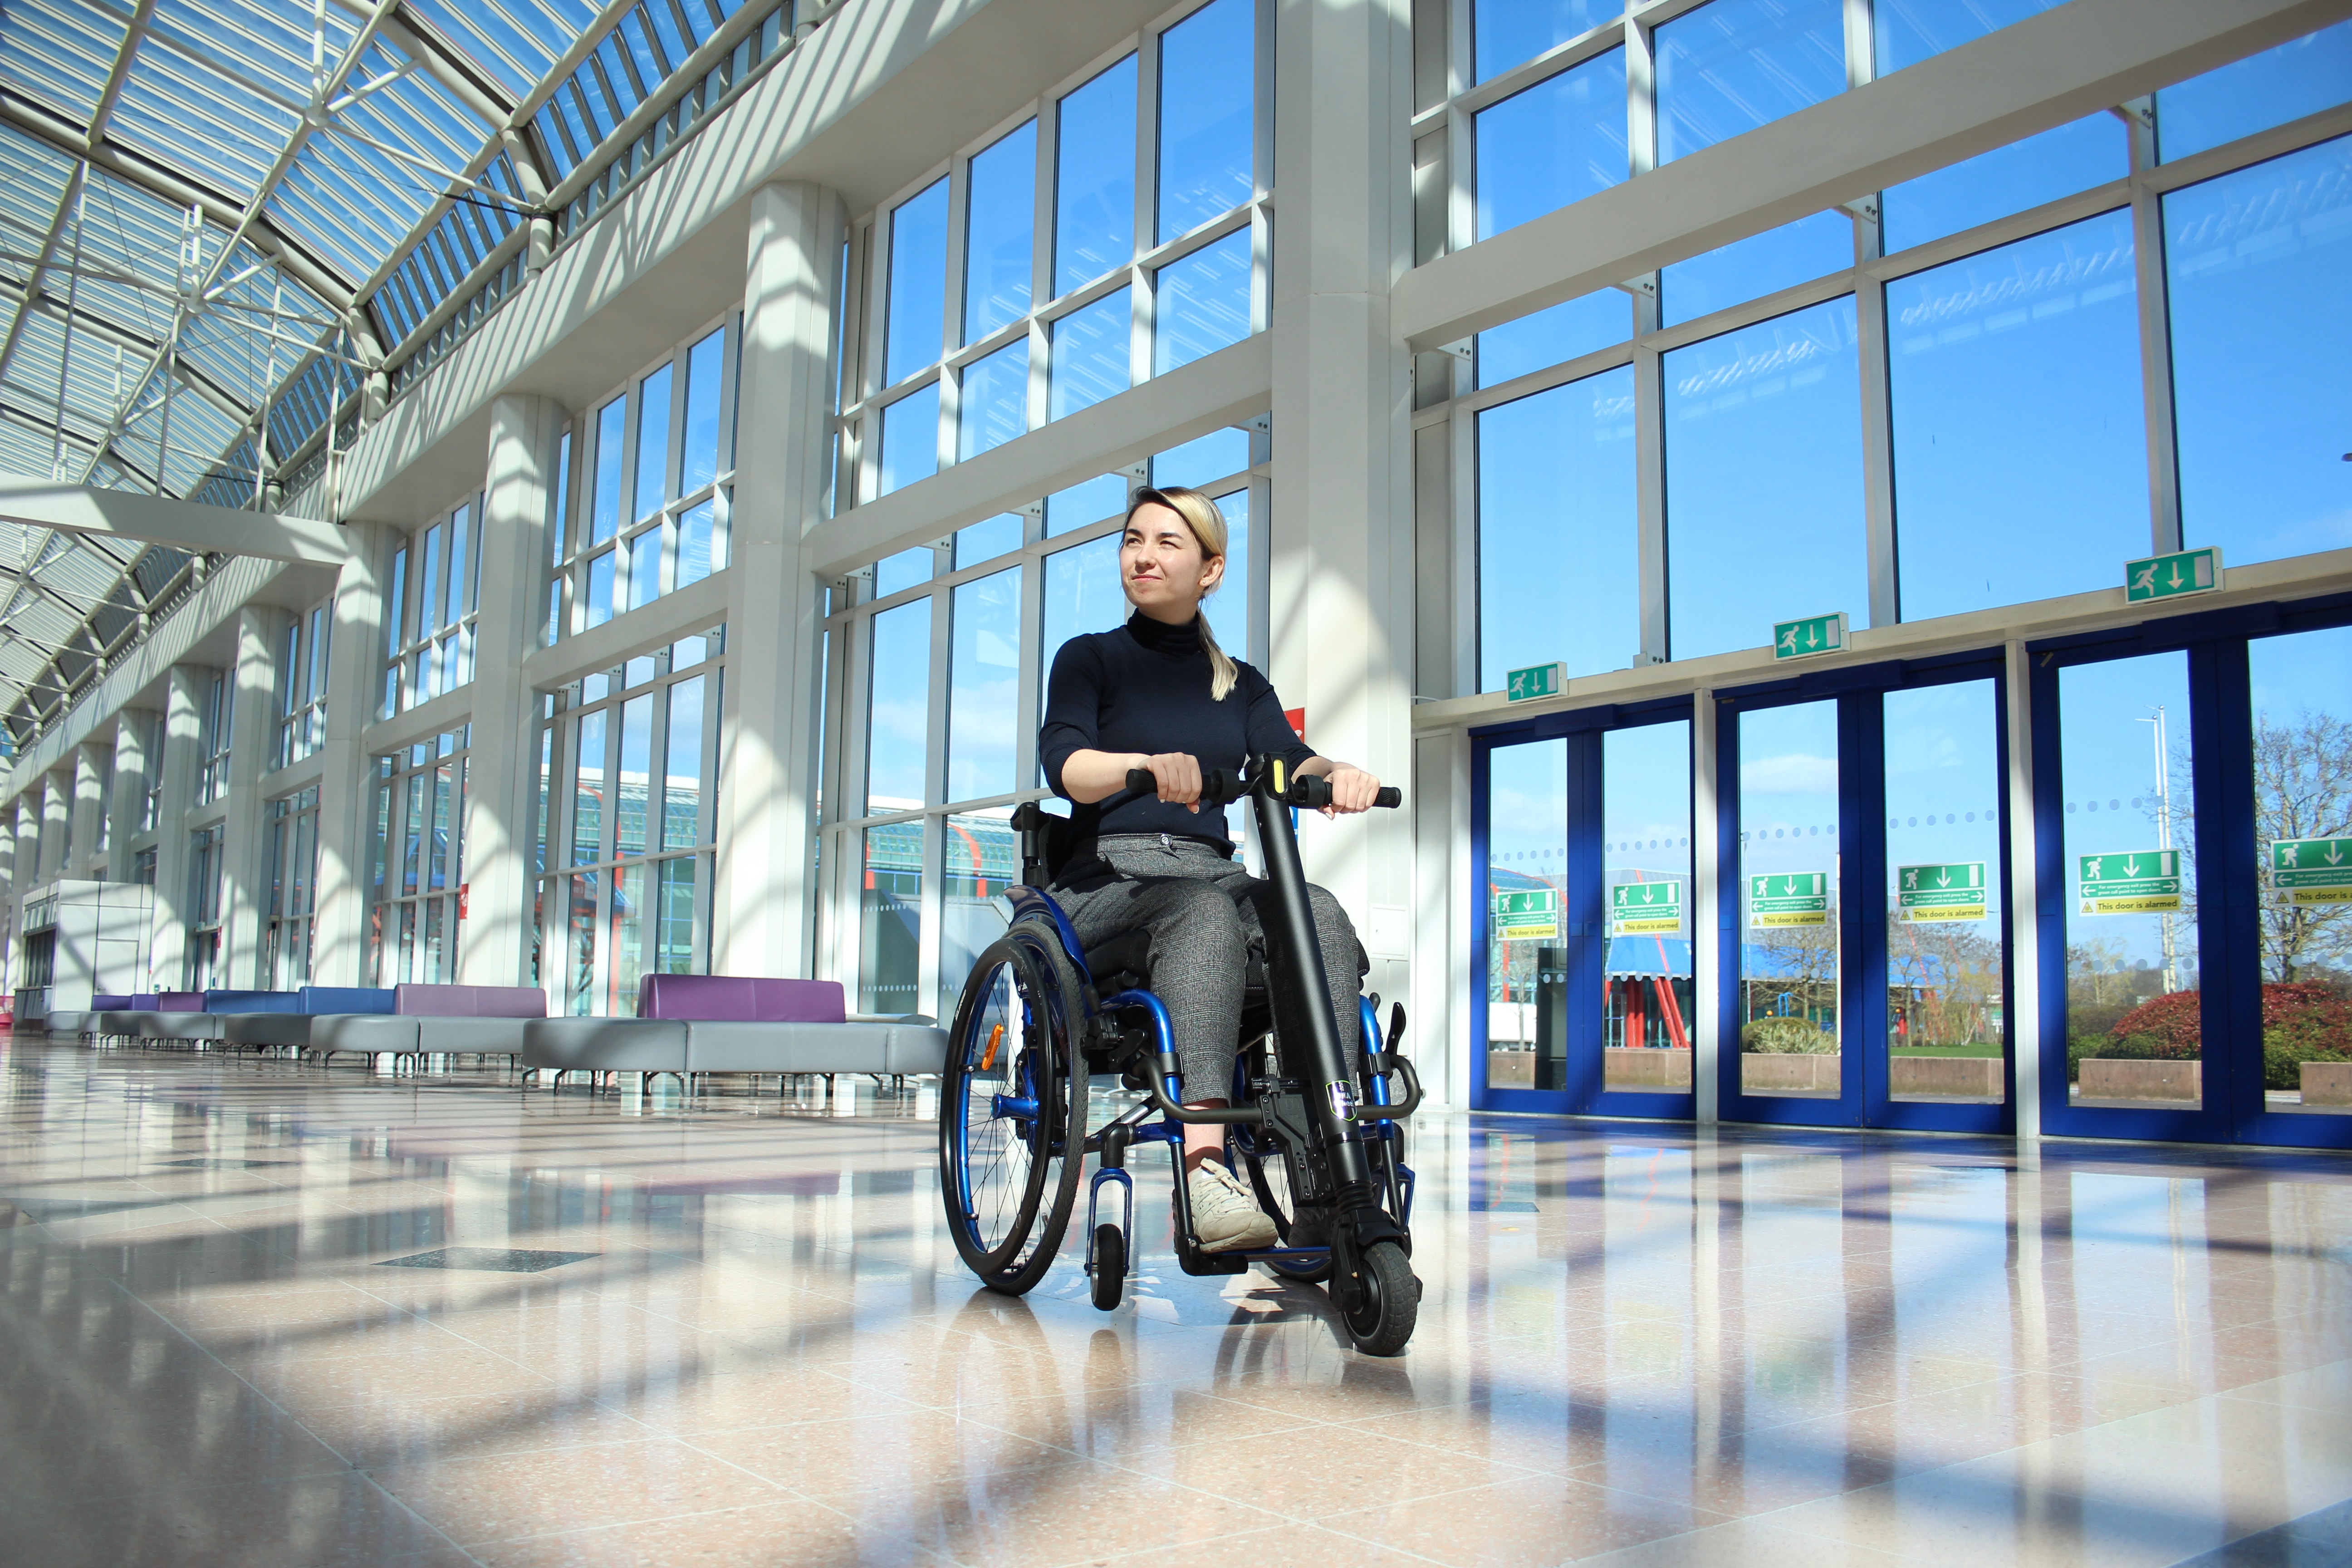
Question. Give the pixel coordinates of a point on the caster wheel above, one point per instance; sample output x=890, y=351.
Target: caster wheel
x=1110, y=1265
x=1389, y=1304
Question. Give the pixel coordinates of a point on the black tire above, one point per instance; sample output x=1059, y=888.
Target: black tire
x=1006, y=1182
x=1111, y=1265
x=1389, y=1304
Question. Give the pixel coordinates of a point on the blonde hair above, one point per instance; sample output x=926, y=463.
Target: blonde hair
x=1208, y=525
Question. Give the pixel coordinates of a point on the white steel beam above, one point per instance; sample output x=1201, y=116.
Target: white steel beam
x=187, y=525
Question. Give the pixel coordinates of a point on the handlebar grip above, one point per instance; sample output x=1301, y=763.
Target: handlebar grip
x=1390, y=795
x=1139, y=779
x=1218, y=788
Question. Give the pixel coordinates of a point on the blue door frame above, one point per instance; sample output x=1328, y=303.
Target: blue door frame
x=2235, y=1107
x=1864, y=1096
x=1585, y=935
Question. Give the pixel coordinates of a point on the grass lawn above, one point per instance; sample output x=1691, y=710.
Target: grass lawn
x=1975, y=1049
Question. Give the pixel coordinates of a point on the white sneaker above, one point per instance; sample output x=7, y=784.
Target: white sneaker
x=1226, y=1216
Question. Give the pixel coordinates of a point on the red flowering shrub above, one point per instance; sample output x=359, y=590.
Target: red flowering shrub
x=2169, y=1024
x=2303, y=1009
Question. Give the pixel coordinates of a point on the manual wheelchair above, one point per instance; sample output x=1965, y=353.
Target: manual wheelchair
x=1319, y=1137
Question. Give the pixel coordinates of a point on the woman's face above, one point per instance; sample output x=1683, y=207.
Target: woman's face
x=1160, y=566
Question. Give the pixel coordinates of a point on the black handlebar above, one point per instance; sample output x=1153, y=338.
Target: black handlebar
x=1218, y=787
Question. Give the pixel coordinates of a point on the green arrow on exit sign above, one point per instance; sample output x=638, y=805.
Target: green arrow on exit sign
x=1814, y=634
x=1536, y=680
x=2172, y=576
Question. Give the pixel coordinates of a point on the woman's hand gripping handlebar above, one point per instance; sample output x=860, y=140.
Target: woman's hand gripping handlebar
x=1308, y=791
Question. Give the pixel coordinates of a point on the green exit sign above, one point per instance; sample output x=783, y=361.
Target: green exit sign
x=1527, y=904
x=1537, y=680
x=1645, y=909
x=1814, y=634
x=2313, y=870
x=2172, y=576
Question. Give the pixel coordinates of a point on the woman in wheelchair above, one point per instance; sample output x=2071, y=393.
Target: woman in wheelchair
x=1159, y=695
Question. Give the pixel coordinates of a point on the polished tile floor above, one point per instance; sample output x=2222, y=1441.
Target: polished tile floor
x=754, y=1344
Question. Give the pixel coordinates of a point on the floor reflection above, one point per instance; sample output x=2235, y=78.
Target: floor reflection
x=1637, y=1343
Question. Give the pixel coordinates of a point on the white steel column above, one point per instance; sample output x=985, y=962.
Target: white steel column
x=182, y=727
x=57, y=823
x=1342, y=581
x=2024, y=899
x=93, y=763
x=245, y=837
x=517, y=495
x=126, y=804
x=346, y=781
x=760, y=907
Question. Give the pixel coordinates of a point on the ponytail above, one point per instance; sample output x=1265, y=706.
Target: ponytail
x=1208, y=525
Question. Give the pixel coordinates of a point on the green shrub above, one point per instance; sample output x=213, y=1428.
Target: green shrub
x=2284, y=1055
x=1787, y=1036
x=2130, y=1049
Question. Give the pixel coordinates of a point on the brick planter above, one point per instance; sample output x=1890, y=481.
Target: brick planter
x=1646, y=1068
x=2106, y=1078
x=2328, y=1083
x=1762, y=1073
x=1967, y=1077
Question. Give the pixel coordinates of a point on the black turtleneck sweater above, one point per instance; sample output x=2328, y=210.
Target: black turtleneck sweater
x=1145, y=687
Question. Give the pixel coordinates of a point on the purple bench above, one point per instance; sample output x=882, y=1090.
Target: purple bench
x=458, y=1020
x=689, y=1024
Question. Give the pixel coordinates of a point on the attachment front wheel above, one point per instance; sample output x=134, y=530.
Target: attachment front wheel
x=1388, y=1301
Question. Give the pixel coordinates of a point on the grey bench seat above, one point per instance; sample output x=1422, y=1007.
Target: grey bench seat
x=189, y=1026
x=68, y=1026
x=896, y=1047
x=604, y=1044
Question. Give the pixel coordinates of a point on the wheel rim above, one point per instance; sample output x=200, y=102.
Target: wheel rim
x=1364, y=1322
x=1000, y=1120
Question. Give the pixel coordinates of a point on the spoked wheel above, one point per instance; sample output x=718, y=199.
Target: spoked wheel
x=1389, y=1304
x=1012, y=1117
x=1252, y=1150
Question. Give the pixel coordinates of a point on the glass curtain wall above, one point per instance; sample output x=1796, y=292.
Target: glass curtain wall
x=302, y=685
x=202, y=967
x=643, y=504
x=436, y=576
x=417, y=866
x=293, y=890
x=1939, y=404
x=937, y=661
x=629, y=761
x=983, y=325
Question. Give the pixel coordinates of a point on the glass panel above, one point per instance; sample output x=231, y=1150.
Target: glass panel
x=694, y=543
x=983, y=666
x=1645, y=855
x=2313, y=73
x=904, y=570
x=2006, y=180
x=627, y=963
x=436, y=967
x=995, y=406
x=653, y=442
x=1203, y=302
x=910, y=440
x=1556, y=143
x=1094, y=195
x=1095, y=501
x=1788, y=901
x=461, y=529
x=560, y=504
x=1215, y=455
x=1567, y=331
x=2303, y=791
x=428, y=587
x=1764, y=480
x=890, y=910
x=645, y=568
x=2258, y=404
x=605, y=511
x=2020, y=455
x=583, y=921
x=1735, y=65
x=588, y=788
x=1090, y=354
x=704, y=364
x=980, y=860
x=1558, y=523
x=1508, y=31
x=919, y=283
x=1750, y=268
x=405, y=964
x=898, y=719
x=1945, y=998
x=600, y=589
x=1228, y=607
x=636, y=775
x=674, y=916
x=1526, y=955
x=682, y=768
x=999, y=235
x=1082, y=595
x=2133, y=1030
x=1909, y=31
x=397, y=628
x=418, y=826
x=986, y=541
x=442, y=850
x=1208, y=75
